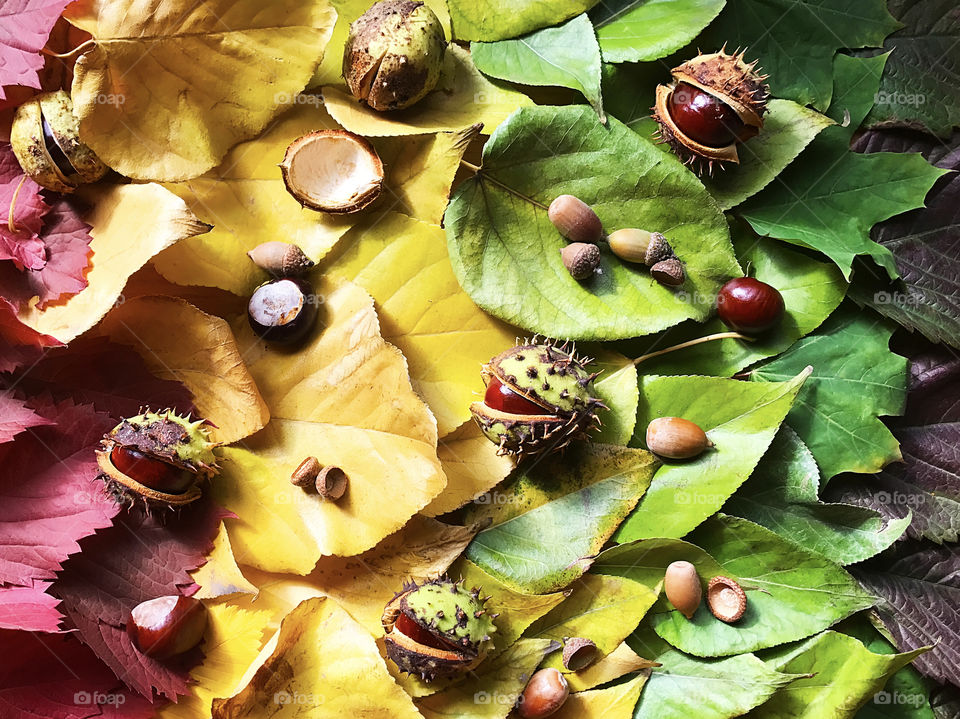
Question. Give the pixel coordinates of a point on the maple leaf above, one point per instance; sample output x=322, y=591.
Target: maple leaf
x=16, y=416
x=24, y=31
x=49, y=499
x=56, y=676
x=140, y=557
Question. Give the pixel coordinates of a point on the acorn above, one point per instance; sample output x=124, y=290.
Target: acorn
x=394, y=54
x=726, y=599
x=639, y=246
x=575, y=219
x=437, y=629
x=280, y=259
x=579, y=653
x=681, y=584
x=676, y=438
x=158, y=458
x=715, y=102
x=544, y=694
x=539, y=397
x=45, y=137
x=580, y=259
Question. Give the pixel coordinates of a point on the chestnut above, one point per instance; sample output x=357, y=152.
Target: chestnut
x=544, y=694
x=283, y=311
x=151, y=471
x=703, y=117
x=746, y=304
x=166, y=626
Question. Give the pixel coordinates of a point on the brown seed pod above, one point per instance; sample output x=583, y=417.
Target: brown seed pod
x=669, y=272
x=544, y=694
x=640, y=246
x=579, y=653
x=305, y=475
x=575, y=219
x=280, y=259
x=580, y=259
x=332, y=171
x=726, y=599
x=331, y=483
x=676, y=438
x=714, y=102
x=681, y=584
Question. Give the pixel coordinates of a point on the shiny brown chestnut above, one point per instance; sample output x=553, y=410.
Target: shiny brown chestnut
x=746, y=304
x=166, y=626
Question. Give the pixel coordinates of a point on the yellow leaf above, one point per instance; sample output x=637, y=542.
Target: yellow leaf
x=616, y=702
x=169, y=88
x=232, y=641
x=491, y=691
x=445, y=337
x=246, y=201
x=464, y=97
x=620, y=661
x=179, y=342
x=344, y=398
x=364, y=584
x=131, y=223
x=221, y=575
x=617, y=387
x=320, y=664
x=330, y=71
x=472, y=466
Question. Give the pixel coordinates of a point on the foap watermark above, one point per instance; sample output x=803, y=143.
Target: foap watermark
x=109, y=98
x=96, y=699
x=297, y=98
x=496, y=498
x=895, y=298
x=297, y=699
x=900, y=498
x=696, y=298
x=682, y=496
x=911, y=99
x=495, y=698
x=898, y=699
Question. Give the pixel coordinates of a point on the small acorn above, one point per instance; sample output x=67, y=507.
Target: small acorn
x=676, y=438
x=579, y=653
x=544, y=694
x=306, y=473
x=669, y=272
x=726, y=599
x=331, y=483
x=580, y=259
x=280, y=259
x=575, y=219
x=639, y=246
x=681, y=584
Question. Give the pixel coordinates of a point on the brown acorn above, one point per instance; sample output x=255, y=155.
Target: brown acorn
x=580, y=259
x=681, y=584
x=715, y=102
x=280, y=259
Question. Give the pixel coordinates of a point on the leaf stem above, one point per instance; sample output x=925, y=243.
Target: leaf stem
x=478, y=170
x=64, y=55
x=691, y=343
x=11, y=222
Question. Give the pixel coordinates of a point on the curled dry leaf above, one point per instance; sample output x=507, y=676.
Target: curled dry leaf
x=188, y=83
x=344, y=398
x=321, y=657
x=221, y=575
x=621, y=661
x=179, y=342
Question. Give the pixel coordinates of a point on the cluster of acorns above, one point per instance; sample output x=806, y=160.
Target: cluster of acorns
x=725, y=598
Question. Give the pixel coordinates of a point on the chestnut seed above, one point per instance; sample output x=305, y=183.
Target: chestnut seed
x=676, y=438
x=746, y=304
x=579, y=653
x=726, y=599
x=681, y=584
x=544, y=694
x=167, y=626
x=580, y=259
x=575, y=219
x=283, y=311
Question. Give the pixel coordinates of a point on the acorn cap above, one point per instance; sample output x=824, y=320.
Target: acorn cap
x=331, y=483
x=580, y=259
x=332, y=171
x=306, y=473
x=579, y=653
x=280, y=259
x=726, y=599
x=669, y=272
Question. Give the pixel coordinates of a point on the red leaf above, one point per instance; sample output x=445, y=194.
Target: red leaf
x=19, y=344
x=25, y=26
x=140, y=557
x=19, y=232
x=56, y=677
x=29, y=608
x=49, y=498
x=15, y=417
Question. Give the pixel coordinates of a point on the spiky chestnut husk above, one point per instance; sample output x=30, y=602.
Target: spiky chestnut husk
x=727, y=78
x=45, y=137
x=168, y=437
x=454, y=620
x=551, y=377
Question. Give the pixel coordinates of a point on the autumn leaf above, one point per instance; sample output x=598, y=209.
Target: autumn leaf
x=188, y=83
x=16, y=417
x=491, y=20
x=472, y=466
x=20, y=58
x=618, y=663
x=19, y=240
x=615, y=702
x=220, y=575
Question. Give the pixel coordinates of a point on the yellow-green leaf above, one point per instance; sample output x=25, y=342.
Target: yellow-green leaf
x=622, y=660
x=221, y=575
x=616, y=702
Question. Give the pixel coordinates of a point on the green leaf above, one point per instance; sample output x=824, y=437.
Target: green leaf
x=557, y=514
x=739, y=420
x=782, y=495
x=796, y=41
x=792, y=593
x=718, y=688
x=564, y=56
x=787, y=129
x=604, y=608
x=617, y=387
x=924, y=67
x=856, y=378
x=830, y=197
x=843, y=675
x=629, y=89
x=506, y=253
x=635, y=30
x=811, y=291
x=492, y=20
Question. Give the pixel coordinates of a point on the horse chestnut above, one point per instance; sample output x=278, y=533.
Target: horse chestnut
x=500, y=397
x=746, y=304
x=167, y=626
x=283, y=311
x=152, y=472
x=703, y=117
